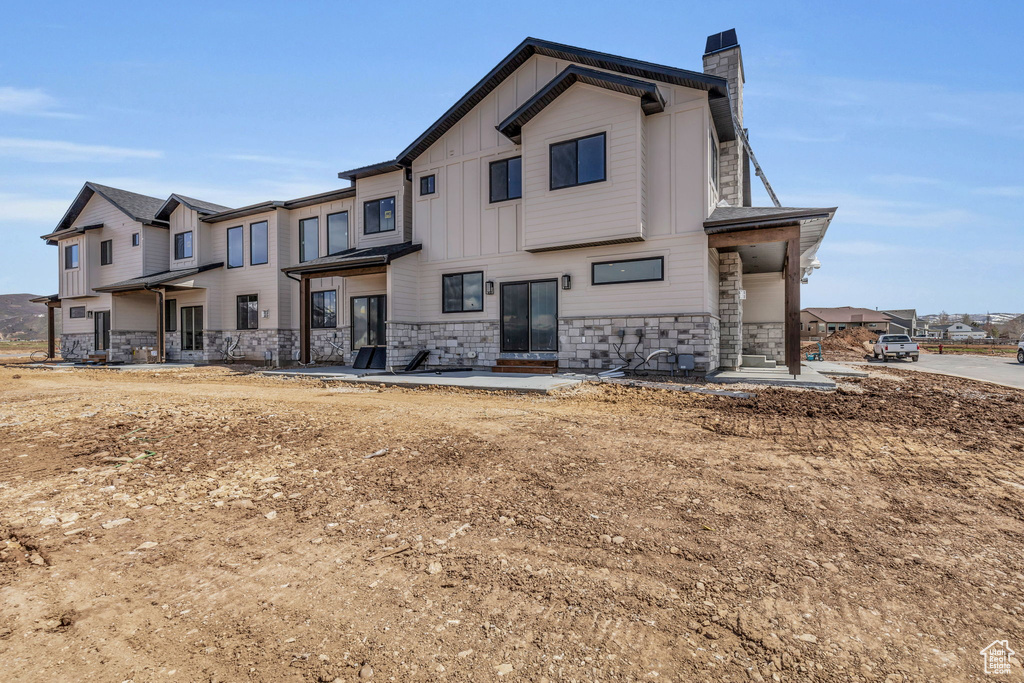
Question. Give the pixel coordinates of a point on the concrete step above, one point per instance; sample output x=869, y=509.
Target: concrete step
x=757, y=362
x=532, y=362
x=527, y=369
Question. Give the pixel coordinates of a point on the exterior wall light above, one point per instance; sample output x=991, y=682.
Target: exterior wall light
x=489, y=287
x=567, y=281
x=266, y=312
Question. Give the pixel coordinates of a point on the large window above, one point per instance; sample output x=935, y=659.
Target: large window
x=324, y=309
x=191, y=328
x=236, y=250
x=713, y=164
x=259, y=251
x=427, y=184
x=183, y=245
x=634, y=270
x=247, y=312
x=506, y=179
x=76, y=312
x=368, y=314
x=462, y=292
x=309, y=239
x=577, y=162
x=106, y=252
x=70, y=256
x=379, y=216
x=170, y=315
x=337, y=232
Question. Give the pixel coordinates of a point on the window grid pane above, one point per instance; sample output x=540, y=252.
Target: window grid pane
x=499, y=181
x=563, y=164
x=590, y=159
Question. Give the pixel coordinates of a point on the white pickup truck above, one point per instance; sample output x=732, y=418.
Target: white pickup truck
x=1020, y=350
x=896, y=346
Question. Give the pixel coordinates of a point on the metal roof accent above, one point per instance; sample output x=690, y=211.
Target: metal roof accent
x=312, y=199
x=721, y=41
x=729, y=218
x=54, y=237
x=164, y=278
x=263, y=207
x=198, y=205
x=354, y=258
x=651, y=100
x=45, y=299
x=371, y=170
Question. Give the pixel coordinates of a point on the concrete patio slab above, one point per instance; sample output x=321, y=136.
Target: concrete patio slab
x=808, y=378
x=326, y=371
x=127, y=367
x=831, y=369
x=483, y=381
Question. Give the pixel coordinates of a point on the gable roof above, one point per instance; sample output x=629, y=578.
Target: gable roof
x=904, y=313
x=198, y=205
x=139, y=207
x=650, y=99
x=847, y=314
x=716, y=87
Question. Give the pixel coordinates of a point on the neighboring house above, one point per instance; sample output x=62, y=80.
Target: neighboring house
x=960, y=331
x=817, y=323
x=905, y=321
x=571, y=206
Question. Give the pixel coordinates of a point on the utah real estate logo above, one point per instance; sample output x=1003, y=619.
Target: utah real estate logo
x=997, y=657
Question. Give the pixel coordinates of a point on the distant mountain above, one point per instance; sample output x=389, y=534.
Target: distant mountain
x=22, y=319
x=996, y=318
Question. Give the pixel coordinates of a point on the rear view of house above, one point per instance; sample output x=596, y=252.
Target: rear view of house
x=574, y=208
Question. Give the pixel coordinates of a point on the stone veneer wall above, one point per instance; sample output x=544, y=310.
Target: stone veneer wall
x=323, y=352
x=595, y=343
x=730, y=308
x=765, y=339
x=449, y=343
x=122, y=342
x=253, y=345
x=84, y=339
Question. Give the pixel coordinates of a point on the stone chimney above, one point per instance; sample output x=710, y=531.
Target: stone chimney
x=722, y=58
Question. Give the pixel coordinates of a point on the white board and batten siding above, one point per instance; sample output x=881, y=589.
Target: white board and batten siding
x=184, y=219
x=381, y=187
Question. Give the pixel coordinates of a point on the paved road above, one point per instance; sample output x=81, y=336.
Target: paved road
x=1006, y=371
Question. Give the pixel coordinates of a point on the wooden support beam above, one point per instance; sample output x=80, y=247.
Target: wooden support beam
x=161, y=328
x=305, y=303
x=51, y=343
x=350, y=272
x=792, y=328
x=741, y=238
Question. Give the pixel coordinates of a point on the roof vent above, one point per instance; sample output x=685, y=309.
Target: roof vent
x=721, y=41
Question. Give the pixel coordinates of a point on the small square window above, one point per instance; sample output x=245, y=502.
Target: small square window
x=427, y=185
x=76, y=312
x=506, y=179
x=462, y=292
x=135, y=239
x=577, y=162
x=183, y=245
x=379, y=216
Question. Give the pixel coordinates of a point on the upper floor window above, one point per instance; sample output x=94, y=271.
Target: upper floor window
x=76, y=312
x=506, y=179
x=70, y=256
x=324, y=309
x=309, y=239
x=633, y=270
x=379, y=216
x=183, y=245
x=577, y=162
x=248, y=312
x=427, y=184
x=713, y=164
x=337, y=233
x=135, y=239
x=259, y=249
x=462, y=292
x=236, y=252
x=106, y=252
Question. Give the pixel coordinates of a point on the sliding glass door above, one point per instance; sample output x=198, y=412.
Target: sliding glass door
x=529, y=316
x=192, y=328
x=368, y=315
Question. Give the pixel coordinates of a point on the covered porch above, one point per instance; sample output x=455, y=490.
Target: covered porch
x=763, y=256
x=52, y=304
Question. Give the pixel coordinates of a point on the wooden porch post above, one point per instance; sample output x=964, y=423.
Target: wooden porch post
x=792, y=330
x=161, y=330
x=51, y=346
x=304, y=320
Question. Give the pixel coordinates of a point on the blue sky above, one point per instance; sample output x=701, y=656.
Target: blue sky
x=909, y=116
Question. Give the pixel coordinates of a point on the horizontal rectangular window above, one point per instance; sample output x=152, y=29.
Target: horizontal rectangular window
x=634, y=270
x=462, y=292
x=309, y=239
x=170, y=315
x=337, y=233
x=427, y=185
x=379, y=216
x=323, y=309
x=259, y=251
x=70, y=256
x=106, y=252
x=236, y=251
x=183, y=245
x=506, y=179
x=76, y=312
x=577, y=162
x=248, y=312
x=135, y=239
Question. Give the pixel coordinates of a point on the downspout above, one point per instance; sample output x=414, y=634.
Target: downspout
x=160, y=332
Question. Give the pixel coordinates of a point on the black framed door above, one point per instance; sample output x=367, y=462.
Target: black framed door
x=529, y=316
x=368, y=316
x=101, y=330
x=191, y=328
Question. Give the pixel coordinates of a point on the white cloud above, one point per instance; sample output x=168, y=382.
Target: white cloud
x=23, y=208
x=30, y=102
x=61, y=151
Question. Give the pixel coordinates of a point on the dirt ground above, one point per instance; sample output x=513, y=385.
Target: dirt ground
x=607, y=533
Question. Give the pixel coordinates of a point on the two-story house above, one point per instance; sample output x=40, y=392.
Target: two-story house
x=573, y=207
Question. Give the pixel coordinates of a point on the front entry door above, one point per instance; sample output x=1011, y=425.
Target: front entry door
x=101, y=330
x=529, y=316
x=368, y=314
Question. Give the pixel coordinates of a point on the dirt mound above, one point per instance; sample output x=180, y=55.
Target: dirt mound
x=851, y=339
